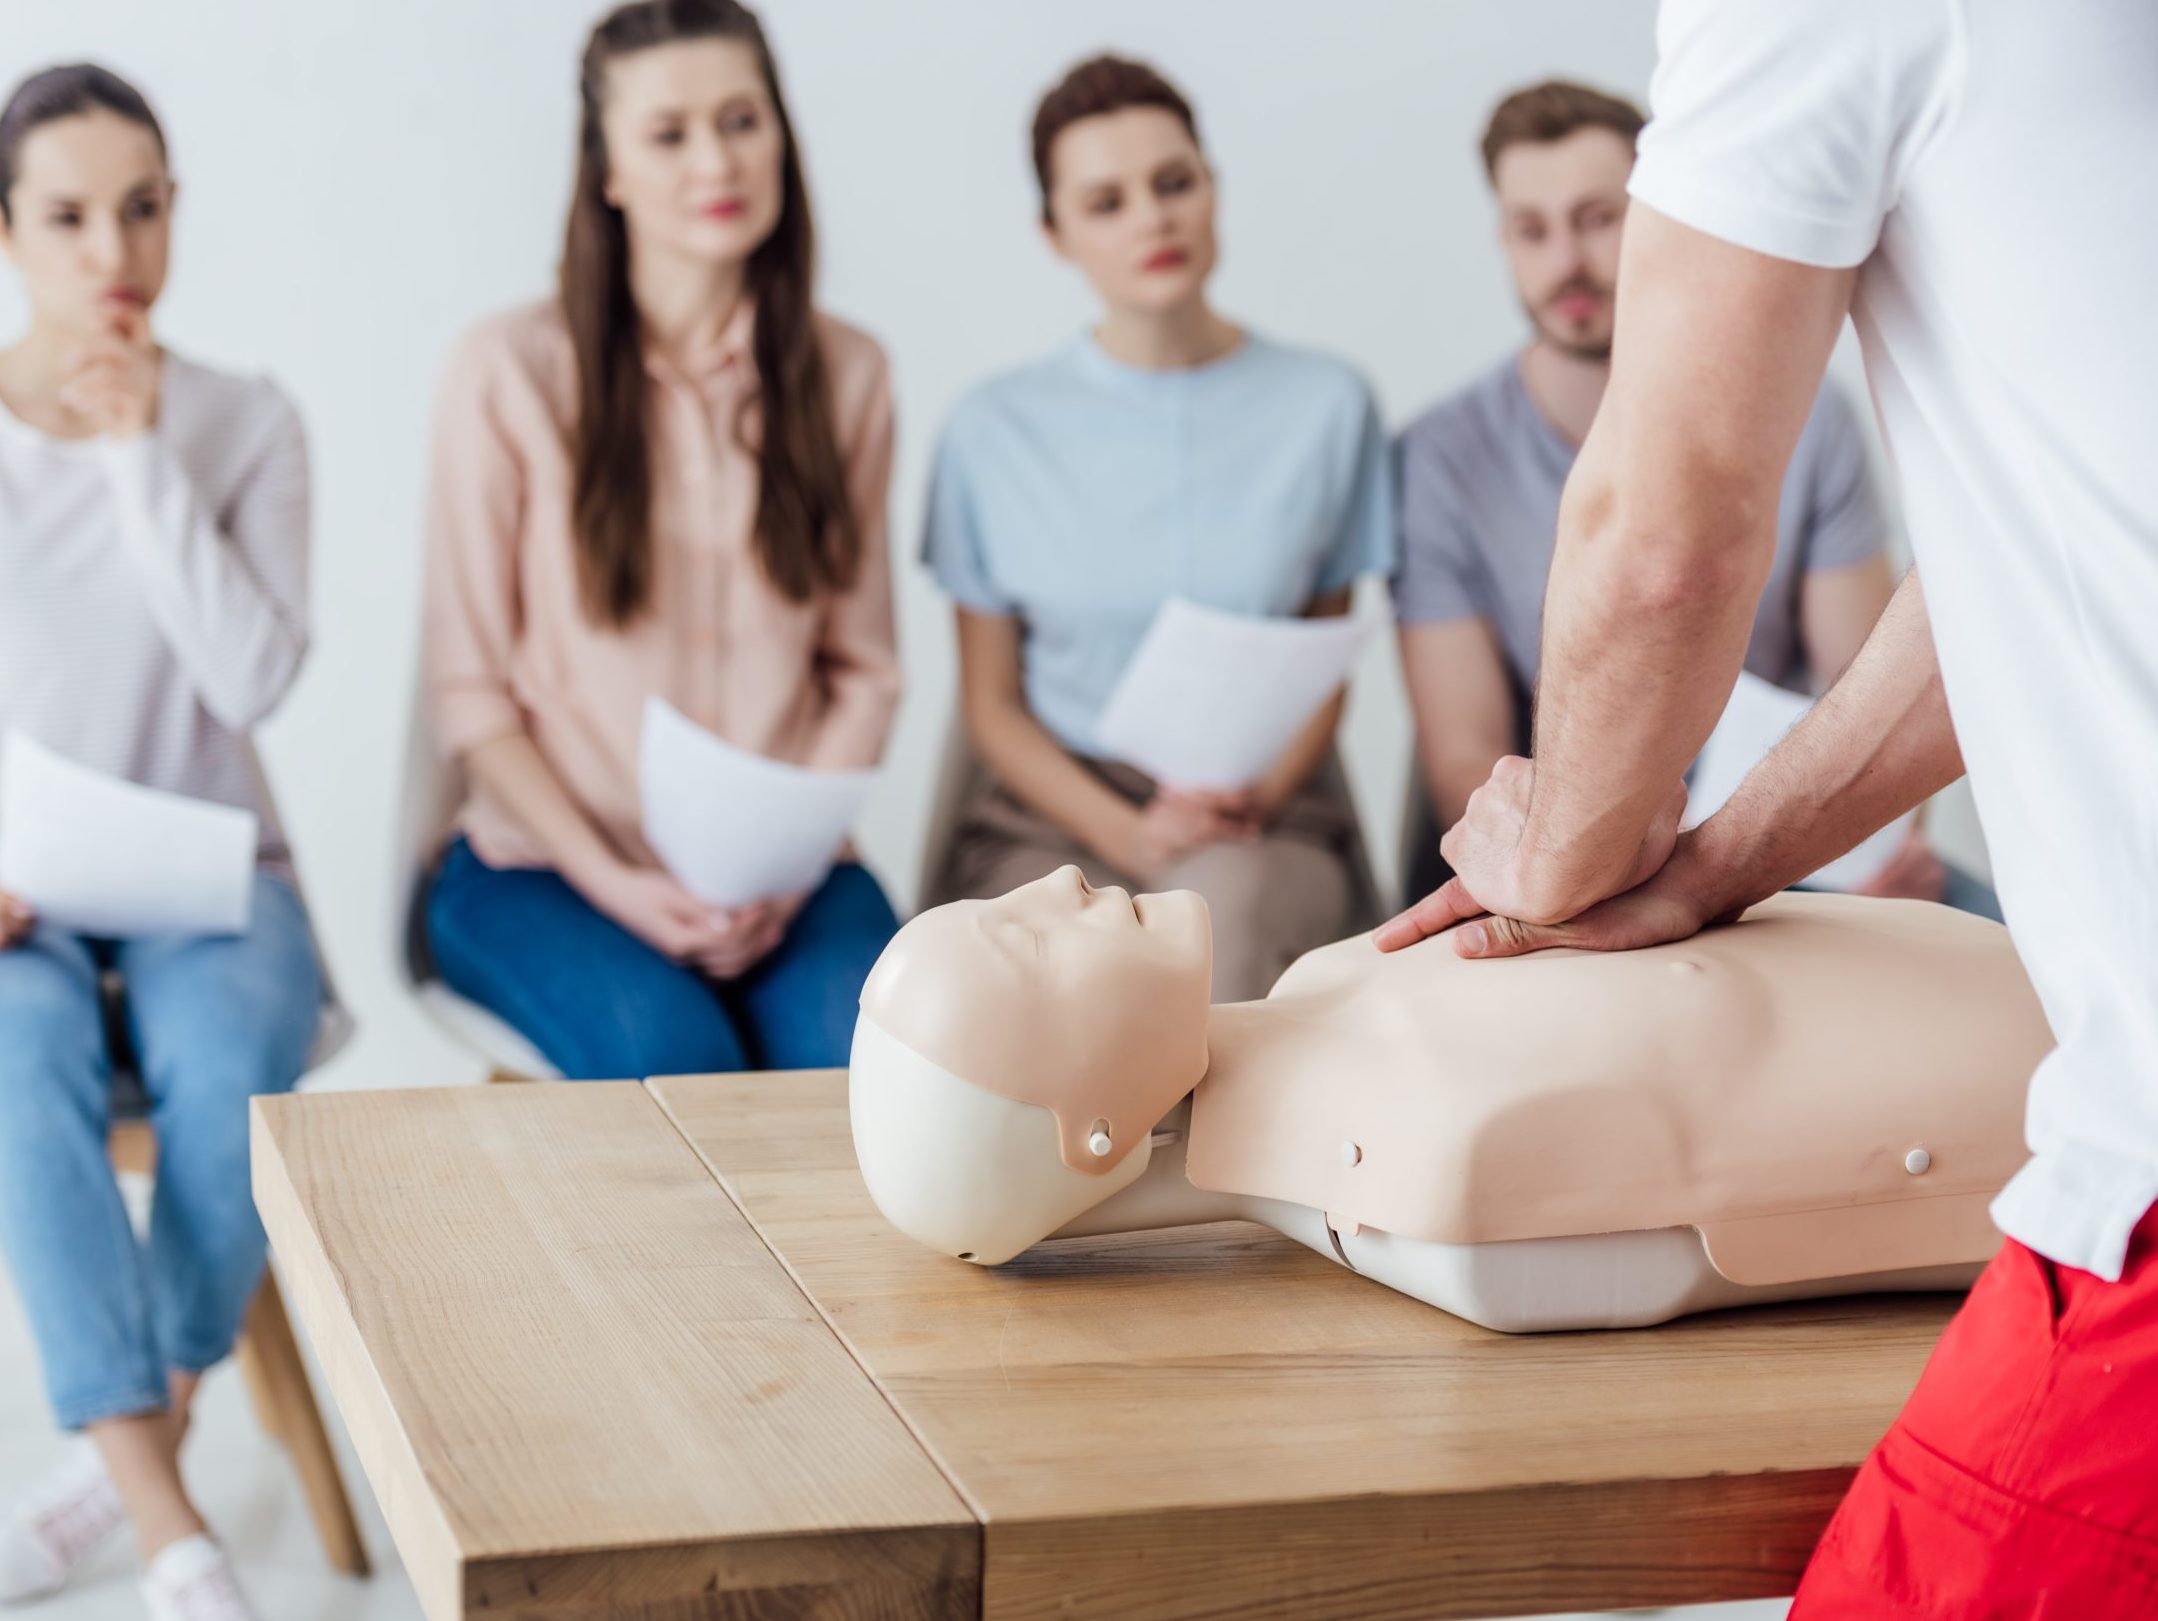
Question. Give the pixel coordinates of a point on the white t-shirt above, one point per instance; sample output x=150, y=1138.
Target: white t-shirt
x=1993, y=166
x=153, y=591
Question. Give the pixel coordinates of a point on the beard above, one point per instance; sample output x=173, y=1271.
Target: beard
x=1559, y=333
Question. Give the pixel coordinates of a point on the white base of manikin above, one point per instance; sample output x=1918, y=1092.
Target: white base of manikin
x=1599, y=1280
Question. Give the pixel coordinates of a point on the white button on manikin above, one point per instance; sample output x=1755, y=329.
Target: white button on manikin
x=1099, y=1145
x=1351, y=1154
x=1918, y=1162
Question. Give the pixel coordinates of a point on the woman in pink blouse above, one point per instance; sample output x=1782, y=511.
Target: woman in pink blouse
x=669, y=479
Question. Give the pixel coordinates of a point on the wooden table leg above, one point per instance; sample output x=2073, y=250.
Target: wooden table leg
x=269, y=1358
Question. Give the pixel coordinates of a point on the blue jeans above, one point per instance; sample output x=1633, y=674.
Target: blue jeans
x=212, y=1021
x=601, y=1004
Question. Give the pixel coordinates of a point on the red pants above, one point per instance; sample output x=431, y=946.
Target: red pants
x=2021, y=1482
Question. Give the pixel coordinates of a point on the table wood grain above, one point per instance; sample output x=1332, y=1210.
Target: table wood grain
x=1219, y=1423
x=577, y=1380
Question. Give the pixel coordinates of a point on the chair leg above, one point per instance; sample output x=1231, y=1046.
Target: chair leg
x=269, y=1357
x=261, y=1391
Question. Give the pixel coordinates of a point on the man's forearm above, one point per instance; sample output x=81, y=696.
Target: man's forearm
x=1879, y=743
x=1666, y=534
x=1645, y=625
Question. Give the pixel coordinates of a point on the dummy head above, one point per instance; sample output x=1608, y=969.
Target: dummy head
x=1014, y=1054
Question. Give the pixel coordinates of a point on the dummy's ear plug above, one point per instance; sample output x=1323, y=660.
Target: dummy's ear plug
x=1098, y=1143
x=1918, y=1162
x=1351, y=1154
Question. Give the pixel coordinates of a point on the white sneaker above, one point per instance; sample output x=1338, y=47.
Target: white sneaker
x=192, y=1581
x=66, y=1516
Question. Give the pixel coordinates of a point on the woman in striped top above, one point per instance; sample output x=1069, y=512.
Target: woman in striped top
x=153, y=560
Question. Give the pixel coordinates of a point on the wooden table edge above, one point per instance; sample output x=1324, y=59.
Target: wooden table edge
x=445, y=1578
x=935, y=1573
x=417, y=1524
x=1577, y=1547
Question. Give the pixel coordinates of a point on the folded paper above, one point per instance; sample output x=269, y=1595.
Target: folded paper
x=1212, y=699
x=97, y=855
x=732, y=826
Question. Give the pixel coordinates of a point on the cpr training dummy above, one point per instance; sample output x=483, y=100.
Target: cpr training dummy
x=1819, y=1099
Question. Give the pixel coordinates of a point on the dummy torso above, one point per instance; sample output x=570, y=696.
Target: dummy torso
x=1819, y=1056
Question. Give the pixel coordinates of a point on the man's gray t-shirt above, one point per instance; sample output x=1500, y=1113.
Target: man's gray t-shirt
x=1480, y=478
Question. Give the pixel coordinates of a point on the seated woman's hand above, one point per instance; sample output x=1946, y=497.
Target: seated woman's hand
x=749, y=934
x=16, y=920
x=657, y=910
x=1224, y=813
x=1172, y=824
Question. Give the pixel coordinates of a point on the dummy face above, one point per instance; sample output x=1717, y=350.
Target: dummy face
x=90, y=221
x=693, y=151
x=1043, y=994
x=1013, y=1055
x=1562, y=205
x=1131, y=203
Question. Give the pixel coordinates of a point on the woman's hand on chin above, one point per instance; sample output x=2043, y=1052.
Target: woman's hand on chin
x=17, y=921
x=113, y=382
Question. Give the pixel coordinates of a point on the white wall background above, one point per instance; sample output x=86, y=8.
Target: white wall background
x=361, y=179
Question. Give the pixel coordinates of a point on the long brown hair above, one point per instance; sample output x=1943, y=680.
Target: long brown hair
x=807, y=536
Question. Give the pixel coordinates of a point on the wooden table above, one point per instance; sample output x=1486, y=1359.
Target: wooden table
x=623, y=1351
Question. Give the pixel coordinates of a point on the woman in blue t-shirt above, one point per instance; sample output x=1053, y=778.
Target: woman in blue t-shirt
x=1167, y=453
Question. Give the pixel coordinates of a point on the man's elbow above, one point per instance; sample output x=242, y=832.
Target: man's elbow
x=1687, y=533
x=1672, y=560
x=1661, y=586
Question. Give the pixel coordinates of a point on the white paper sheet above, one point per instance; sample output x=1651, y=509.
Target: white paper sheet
x=1211, y=699
x=96, y=855
x=1754, y=722
x=734, y=827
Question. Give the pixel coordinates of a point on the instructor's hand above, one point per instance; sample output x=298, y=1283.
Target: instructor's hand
x=1673, y=905
x=1494, y=871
